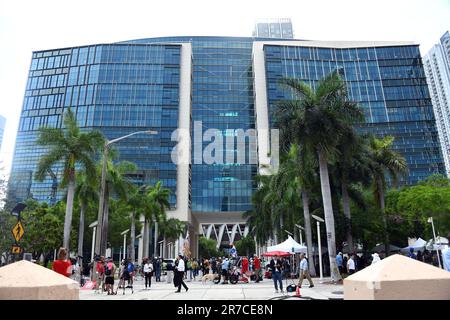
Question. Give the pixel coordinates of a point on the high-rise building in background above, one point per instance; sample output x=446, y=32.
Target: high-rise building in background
x=2, y=129
x=219, y=83
x=274, y=28
x=437, y=69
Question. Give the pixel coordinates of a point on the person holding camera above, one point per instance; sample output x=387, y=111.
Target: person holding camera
x=276, y=266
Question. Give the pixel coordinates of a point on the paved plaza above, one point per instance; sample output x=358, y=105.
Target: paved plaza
x=210, y=291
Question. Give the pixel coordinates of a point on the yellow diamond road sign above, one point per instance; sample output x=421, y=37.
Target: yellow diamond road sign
x=18, y=231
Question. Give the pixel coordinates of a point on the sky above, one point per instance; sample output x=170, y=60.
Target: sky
x=28, y=25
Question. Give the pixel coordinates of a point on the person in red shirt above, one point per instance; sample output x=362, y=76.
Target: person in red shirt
x=100, y=274
x=257, y=267
x=244, y=266
x=62, y=265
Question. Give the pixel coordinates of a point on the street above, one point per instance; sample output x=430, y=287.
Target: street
x=210, y=291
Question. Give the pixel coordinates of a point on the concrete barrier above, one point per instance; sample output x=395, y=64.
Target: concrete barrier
x=398, y=278
x=24, y=280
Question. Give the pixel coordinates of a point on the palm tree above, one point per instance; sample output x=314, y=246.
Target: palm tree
x=74, y=149
x=117, y=183
x=134, y=204
x=158, y=203
x=259, y=219
x=350, y=169
x=86, y=192
x=383, y=159
x=317, y=119
x=298, y=167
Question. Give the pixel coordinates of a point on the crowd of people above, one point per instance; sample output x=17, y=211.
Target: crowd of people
x=250, y=268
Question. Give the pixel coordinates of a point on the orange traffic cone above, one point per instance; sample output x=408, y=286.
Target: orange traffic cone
x=297, y=293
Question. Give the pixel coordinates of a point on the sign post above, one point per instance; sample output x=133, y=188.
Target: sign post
x=17, y=231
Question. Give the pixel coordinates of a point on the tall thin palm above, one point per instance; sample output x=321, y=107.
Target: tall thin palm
x=351, y=168
x=74, y=149
x=86, y=192
x=133, y=206
x=317, y=119
x=117, y=183
x=158, y=204
x=384, y=160
x=259, y=218
x=298, y=167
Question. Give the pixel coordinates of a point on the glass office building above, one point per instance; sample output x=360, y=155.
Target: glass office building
x=2, y=129
x=114, y=88
x=274, y=28
x=388, y=82
x=221, y=83
x=437, y=69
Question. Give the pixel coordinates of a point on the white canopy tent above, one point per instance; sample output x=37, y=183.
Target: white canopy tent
x=289, y=245
x=441, y=243
x=419, y=244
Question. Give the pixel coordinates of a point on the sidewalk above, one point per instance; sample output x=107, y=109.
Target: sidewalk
x=210, y=291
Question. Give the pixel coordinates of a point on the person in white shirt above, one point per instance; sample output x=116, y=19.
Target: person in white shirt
x=148, y=273
x=304, y=271
x=351, y=265
x=375, y=258
x=179, y=274
x=446, y=255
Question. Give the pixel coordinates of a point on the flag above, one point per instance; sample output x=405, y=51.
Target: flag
x=186, y=246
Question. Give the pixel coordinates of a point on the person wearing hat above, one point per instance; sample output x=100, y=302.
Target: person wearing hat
x=179, y=274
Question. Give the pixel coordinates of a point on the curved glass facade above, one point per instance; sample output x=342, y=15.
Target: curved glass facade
x=134, y=85
x=388, y=82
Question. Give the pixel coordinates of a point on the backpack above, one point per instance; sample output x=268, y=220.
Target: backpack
x=107, y=271
x=130, y=267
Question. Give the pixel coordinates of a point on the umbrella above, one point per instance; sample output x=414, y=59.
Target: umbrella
x=276, y=253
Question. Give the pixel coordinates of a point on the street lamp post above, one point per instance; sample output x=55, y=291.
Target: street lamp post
x=124, y=233
x=99, y=240
x=300, y=228
x=289, y=233
x=319, y=219
x=93, y=225
x=430, y=220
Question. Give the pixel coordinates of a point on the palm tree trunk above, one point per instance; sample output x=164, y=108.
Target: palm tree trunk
x=104, y=243
x=274, y=232
x=69, y=210
x=308, y=231
x=383, y=215
x=281, y=224
x=156, y=239
x=145, y=239
x=329, y=217
x=347, y=213
x=81, y=229
x=131, y=253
